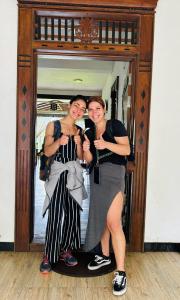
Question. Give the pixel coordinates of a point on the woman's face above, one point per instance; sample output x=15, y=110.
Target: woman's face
x=77, y=109
x=96, y=112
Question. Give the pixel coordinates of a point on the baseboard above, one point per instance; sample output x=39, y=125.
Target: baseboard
x=5, y=246
x=166, y=247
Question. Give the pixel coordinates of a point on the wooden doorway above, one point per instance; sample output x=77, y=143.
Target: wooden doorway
x=106, y=30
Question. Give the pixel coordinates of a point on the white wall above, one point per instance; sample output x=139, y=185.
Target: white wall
x=8, y=53
x=163, y=184
x=163, y=200
x=120, y=69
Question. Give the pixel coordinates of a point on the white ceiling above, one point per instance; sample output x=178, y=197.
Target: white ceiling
x=58, y=73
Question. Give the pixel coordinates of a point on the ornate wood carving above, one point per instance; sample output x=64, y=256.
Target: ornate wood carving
x=86, y=27
x=86, y=31
x=107, y=29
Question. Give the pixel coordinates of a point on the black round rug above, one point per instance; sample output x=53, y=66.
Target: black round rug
x=81, y=270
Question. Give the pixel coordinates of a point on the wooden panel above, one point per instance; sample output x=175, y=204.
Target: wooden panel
x=25, y=31
x=140, y=173
x=89, y=48
x=116, y=3
x=146, y=37
x=23, y=161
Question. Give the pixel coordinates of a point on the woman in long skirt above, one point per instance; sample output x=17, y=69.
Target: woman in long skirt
x=63, y=225
x=105, y=147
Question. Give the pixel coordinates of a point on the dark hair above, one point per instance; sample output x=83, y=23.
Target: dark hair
x=78, y=97
x=97, y=99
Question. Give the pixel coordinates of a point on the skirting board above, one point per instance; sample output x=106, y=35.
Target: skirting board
x=5, y=246
x=163, y=247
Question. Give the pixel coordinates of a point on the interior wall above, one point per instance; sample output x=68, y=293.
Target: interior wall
x=163, y=205
x=8, y=58
x=119, y=69
x=162, y=221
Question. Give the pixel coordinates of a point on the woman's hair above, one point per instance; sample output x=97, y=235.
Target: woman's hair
x=97, y=99
x=78, y=97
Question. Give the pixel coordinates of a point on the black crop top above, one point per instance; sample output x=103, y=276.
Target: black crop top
x=115, y=129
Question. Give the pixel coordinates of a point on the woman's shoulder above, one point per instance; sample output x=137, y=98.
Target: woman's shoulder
x=50, y=127
x=115, y=122
x=53, y=128
x=116, y=127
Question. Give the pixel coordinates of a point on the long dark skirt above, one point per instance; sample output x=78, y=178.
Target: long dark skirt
x=63, y=225
x=112, y=181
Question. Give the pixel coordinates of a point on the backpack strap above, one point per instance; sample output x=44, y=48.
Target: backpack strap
x=57, y=129
x=109, y=129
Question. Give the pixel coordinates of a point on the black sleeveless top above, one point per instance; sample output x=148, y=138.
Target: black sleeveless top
x=68, y=152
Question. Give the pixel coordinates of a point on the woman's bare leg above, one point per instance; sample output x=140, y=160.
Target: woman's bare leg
x=105, y=241
x=114, y=225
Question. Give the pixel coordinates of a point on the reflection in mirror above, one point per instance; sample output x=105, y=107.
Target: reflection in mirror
x=59, y=78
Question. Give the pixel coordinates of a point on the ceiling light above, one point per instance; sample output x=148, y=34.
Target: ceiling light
x=78, y=80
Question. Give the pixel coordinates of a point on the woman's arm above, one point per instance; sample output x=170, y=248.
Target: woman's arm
x=78, y=142
x=87, y=155
x=121, y=148
x=51, y=146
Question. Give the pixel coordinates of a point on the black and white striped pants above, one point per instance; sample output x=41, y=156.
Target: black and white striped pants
x=63, y=225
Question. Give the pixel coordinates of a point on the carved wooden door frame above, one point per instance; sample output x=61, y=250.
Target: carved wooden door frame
x=85, y=33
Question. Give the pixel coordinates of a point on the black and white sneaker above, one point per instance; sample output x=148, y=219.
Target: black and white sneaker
x=119, y=283
x=98, y=262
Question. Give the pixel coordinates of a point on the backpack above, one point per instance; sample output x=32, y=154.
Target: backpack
x=46, y=162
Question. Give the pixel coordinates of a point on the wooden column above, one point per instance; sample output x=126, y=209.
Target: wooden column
x=142, y=112
x=23, y=146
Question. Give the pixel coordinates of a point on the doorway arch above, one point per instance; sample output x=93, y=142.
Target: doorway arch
x=106, y=30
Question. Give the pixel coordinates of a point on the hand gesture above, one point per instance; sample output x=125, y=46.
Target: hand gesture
x=77, y=138
x=86, y=144
x=100, y=144
x=63, y=140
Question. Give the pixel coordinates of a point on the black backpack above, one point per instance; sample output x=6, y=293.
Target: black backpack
x=46, y=162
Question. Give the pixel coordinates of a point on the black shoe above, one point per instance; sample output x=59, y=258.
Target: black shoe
x=45, y=266
x=119, y=283
x=98, y=262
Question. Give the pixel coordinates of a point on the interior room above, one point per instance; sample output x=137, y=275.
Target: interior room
x=126, y=50
x=59, y=78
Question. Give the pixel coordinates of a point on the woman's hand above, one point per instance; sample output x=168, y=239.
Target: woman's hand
x=77, y=138
x=100, y=144
x=86, y=144
x=63, y=140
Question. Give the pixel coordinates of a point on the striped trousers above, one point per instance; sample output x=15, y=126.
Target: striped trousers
x=63, y=225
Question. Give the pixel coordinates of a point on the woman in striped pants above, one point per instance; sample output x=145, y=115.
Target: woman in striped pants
x=63, y=225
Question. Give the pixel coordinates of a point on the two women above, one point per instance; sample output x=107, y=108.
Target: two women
x=106, y=146
x=63, y=204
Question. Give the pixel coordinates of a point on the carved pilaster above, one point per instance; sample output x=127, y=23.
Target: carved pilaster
x=24, y=111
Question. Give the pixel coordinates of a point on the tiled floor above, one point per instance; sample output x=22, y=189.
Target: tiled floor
x=40, y=223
